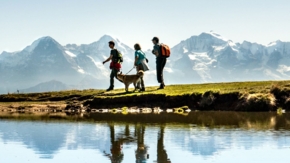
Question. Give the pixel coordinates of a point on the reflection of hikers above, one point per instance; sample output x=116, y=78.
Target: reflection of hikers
x=161, y=152
x=116, y=155
x=115, y=64
x=141, y=152
x=116, y=148
x=160, y=61
x=140, y=63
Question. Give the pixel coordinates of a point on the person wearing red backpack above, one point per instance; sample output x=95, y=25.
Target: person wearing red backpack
x=160, y=62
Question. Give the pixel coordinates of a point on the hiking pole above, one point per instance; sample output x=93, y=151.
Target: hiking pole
x=130, y=70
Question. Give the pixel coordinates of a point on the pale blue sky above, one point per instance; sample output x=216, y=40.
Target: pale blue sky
x=85, y=21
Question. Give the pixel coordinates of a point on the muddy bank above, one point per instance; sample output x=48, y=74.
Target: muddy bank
x=209, y=100
x=213, y=101
x=33, y=107
x=235, y=101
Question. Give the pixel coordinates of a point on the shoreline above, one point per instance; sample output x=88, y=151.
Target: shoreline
x=235, y=96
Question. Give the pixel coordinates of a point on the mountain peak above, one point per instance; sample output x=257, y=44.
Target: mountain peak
x=45, y=39
x=274, y=43
x=212, y=34
x=103, y=42
x=107, y=38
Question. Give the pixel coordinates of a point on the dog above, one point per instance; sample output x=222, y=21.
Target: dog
x=128, y=79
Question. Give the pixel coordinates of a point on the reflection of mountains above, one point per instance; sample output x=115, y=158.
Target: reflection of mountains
x=208, y=142
x=47, y=138
x=199, y=135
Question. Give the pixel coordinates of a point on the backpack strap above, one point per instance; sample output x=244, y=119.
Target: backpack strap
x=143, y=53
x=116, y=52
x=119, y=59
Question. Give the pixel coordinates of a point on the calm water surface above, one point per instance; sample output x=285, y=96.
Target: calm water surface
x=218, y=137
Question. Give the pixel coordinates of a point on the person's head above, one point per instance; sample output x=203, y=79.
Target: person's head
x=155, y=40
x=137, y=46
x=111, y=44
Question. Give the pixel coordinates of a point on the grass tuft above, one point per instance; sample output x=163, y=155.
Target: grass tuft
x=207, y=99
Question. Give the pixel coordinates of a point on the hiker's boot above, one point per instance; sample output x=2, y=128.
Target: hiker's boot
x=162, y=86
x=110, y=88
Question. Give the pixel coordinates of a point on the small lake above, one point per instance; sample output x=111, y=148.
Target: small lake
x=198, y=137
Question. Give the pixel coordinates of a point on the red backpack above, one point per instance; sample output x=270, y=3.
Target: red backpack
x=165, y=50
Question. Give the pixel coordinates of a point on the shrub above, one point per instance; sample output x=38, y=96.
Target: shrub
x=257, y=102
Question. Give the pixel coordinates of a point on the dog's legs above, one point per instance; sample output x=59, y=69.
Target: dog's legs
x=138, y=85
x=135, y=86
x=126, y=87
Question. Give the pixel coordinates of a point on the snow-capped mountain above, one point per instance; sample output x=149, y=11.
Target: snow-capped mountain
x=90, y=56
x=207, y=57
x=42, y=61
x=77, y=66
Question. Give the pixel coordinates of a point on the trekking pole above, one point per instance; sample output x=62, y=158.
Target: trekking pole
x=130, y=70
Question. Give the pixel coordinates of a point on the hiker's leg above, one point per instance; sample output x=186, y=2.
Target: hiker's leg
x=163, y=63
x=112, y=75
x=141, y=79
x=159, y=69
x=142, y=82
x=138, y=68
x=115, y=73
x=162, y=67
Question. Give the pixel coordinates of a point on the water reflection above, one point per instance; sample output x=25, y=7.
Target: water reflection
x=116, y=155
x=45, y=139
x=130, y=138
x=260, y=121
x=141, y=152
x=162, y=156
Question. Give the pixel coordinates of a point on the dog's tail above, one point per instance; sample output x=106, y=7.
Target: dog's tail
x=140, y=73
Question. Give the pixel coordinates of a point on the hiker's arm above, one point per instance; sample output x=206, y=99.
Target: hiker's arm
x=135, y=62
x=111, y=56
x=155, y=51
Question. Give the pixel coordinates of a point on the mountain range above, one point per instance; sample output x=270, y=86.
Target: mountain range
x=45, y=65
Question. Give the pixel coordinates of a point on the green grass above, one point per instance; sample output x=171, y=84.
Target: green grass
x=222, y=88
x=170, y=90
